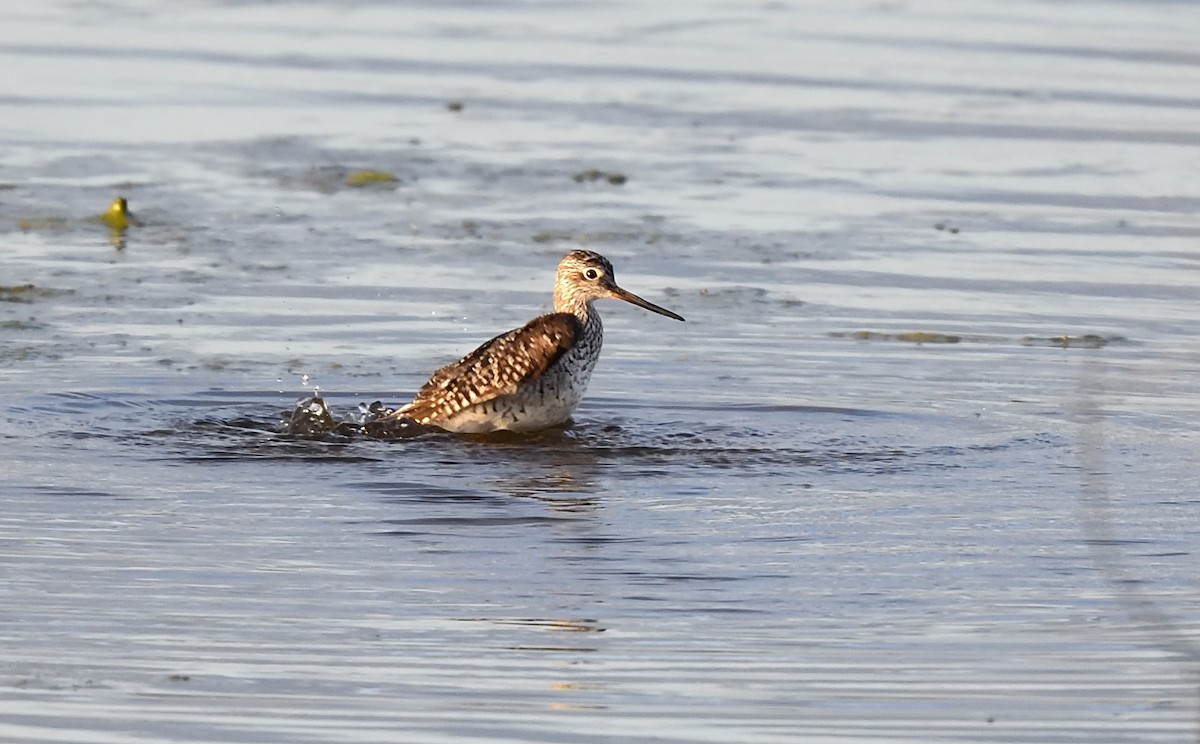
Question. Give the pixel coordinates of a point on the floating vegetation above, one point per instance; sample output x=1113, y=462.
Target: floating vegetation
x=362, y=178
x=593, y=174
x=330, y=179
x=734, y=295
x=1086, y=341
x=42, y=223
x=19, y=353
x=912, y=337
x=552, y=236
x=26, y=292
x=118, y=217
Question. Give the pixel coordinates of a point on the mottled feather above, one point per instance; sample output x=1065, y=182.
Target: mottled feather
x=499, y=367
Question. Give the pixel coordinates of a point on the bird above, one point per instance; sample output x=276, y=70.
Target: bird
x=533, y=377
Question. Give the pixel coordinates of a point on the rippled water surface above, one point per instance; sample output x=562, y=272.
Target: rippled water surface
x=921, y=465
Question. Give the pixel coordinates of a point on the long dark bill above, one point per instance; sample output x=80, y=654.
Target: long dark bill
x=630, y=297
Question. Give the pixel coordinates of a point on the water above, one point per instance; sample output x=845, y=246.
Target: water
x=921, y=465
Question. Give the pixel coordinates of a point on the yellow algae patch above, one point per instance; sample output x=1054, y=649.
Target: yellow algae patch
x=42, y=223
x=1086, y=341
x=26, y=292
x=18, y=293
x=551, y=236
x=912, y=337
x=361, y=178
x=117, y=217
x=924, y=337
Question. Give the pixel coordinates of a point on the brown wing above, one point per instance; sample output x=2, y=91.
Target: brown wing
x=498, y=367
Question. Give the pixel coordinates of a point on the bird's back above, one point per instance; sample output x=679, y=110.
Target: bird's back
x=526, y=379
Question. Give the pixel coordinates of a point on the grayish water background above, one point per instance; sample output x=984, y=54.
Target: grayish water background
x=761, y=528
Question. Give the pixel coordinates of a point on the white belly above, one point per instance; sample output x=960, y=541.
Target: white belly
x=547, y=403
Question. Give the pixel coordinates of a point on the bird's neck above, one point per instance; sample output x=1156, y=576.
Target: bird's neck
x=566, y=301
x=582, y=309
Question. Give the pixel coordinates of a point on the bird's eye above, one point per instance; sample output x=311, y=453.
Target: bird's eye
x=591, y=274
